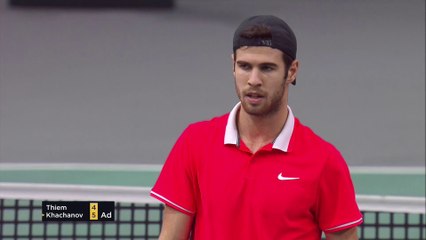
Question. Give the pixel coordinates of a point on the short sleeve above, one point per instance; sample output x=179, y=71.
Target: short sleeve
x=337, y=207
x=175, y=185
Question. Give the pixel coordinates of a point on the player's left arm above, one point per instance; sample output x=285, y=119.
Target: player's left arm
x=347, y=234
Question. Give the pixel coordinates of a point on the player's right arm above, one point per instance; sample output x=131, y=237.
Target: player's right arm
x=176, y=225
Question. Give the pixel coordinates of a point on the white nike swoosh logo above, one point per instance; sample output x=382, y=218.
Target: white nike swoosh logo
x=282, y=178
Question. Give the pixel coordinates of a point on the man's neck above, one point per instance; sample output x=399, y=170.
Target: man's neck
x=257, y=131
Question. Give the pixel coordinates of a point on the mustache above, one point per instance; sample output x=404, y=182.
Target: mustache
x=252, y=90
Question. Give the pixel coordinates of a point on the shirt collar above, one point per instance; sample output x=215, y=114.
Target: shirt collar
x=281, y=142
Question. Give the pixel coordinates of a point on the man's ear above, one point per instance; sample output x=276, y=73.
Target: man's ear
x=233, y=63
x=292, y=72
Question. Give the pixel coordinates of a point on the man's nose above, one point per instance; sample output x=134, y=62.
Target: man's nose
x=255, y=79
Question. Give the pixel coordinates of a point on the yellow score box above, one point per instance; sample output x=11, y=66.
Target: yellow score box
x=94, y=211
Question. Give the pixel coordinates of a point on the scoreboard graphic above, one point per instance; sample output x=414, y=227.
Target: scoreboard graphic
x=78, y=211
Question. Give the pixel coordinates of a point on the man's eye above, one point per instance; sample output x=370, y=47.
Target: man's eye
x=266, y=68
x=244, y=66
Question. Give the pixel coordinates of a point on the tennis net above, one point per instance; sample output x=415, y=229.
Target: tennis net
x=138, y=216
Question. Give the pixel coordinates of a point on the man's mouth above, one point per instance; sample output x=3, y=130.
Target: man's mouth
x=254, y=97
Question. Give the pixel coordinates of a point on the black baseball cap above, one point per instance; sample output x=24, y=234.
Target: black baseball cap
x=281, y=38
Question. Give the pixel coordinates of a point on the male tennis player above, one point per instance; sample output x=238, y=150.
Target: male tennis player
x=257, y=172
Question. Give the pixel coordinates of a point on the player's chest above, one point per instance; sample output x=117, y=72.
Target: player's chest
x=270, y=184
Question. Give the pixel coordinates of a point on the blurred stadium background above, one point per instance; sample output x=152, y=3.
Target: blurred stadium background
x=119, y=85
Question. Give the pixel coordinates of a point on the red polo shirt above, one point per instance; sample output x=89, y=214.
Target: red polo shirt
x=293, y=188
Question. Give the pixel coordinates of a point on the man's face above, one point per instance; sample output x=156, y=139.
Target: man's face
x=260, y=79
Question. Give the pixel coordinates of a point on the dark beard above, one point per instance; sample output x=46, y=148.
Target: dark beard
x=273, y=108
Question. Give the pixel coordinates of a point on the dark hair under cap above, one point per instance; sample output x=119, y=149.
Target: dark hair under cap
x=282, y=37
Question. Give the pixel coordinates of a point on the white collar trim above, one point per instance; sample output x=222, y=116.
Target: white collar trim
x=281, y=142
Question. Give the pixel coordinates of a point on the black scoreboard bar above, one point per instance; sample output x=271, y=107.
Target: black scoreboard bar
x=93, y=3
x=63, y=211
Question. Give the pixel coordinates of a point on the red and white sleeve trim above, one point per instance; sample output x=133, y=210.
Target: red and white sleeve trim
x=344, y=226
x=167, y=201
